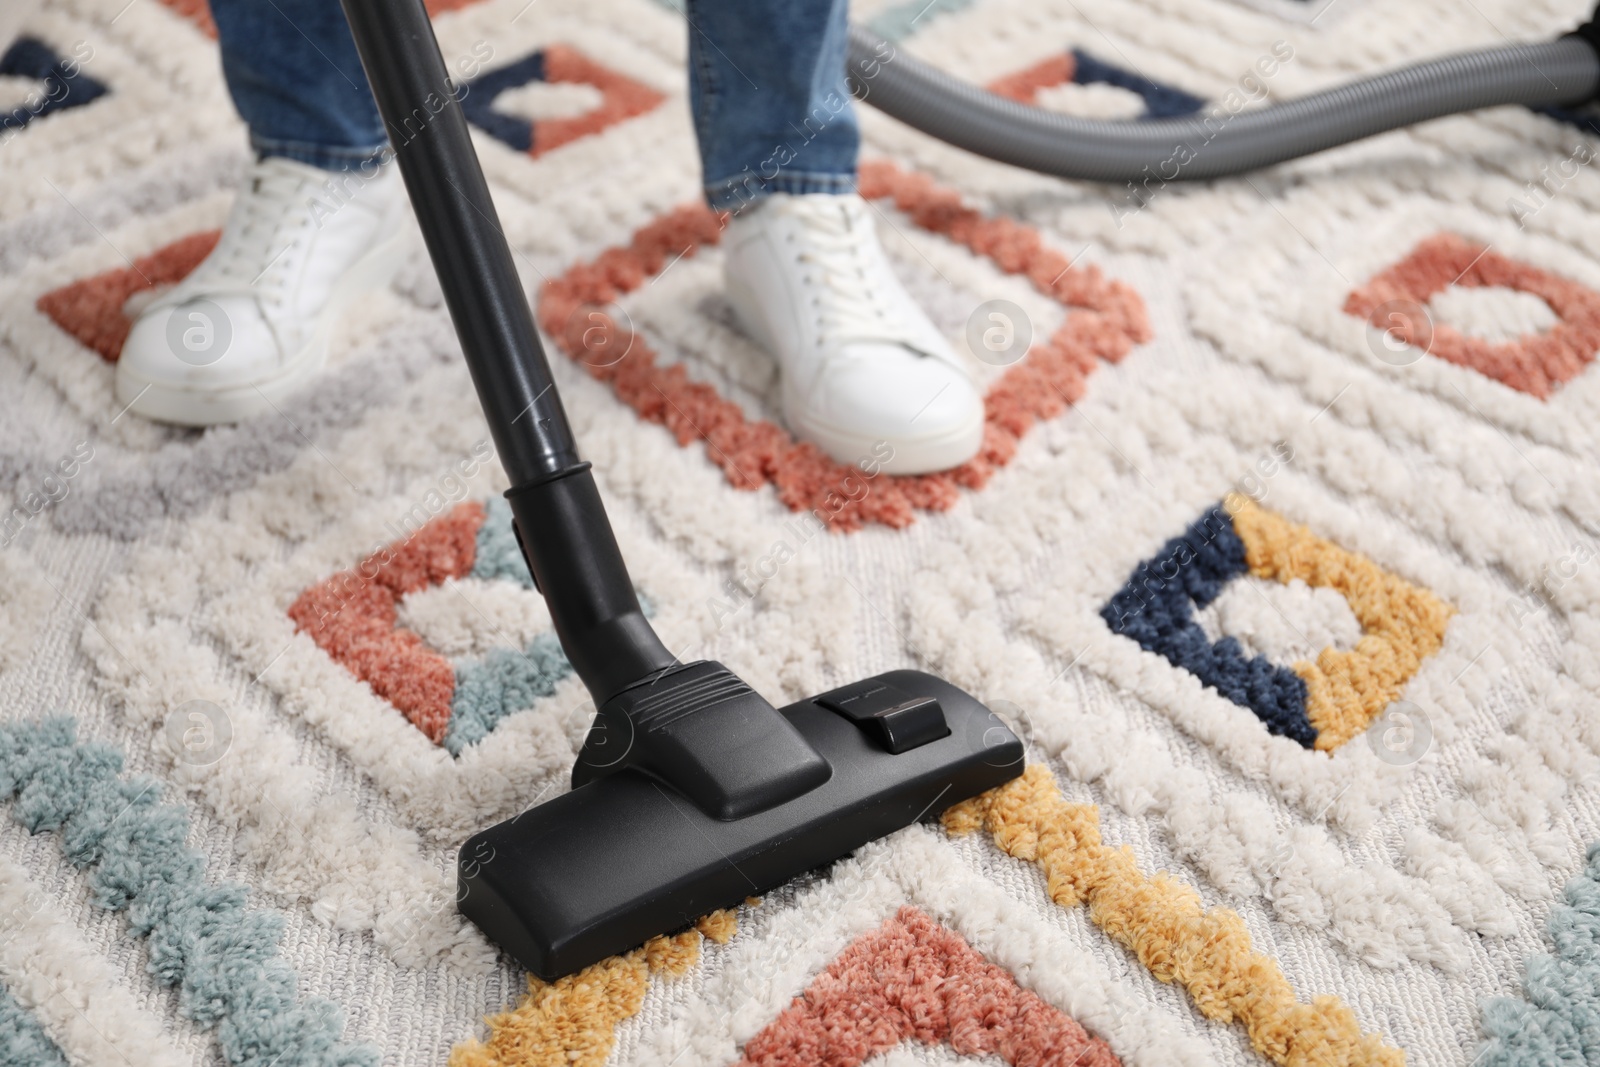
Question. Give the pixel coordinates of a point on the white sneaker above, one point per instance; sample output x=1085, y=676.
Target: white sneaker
x=250, y=325
x=861, y=364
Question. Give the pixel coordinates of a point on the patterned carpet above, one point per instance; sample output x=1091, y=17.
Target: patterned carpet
x=1279, y=554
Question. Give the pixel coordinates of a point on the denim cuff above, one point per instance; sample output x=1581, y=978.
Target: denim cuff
x=324, y=156
x=742, y=190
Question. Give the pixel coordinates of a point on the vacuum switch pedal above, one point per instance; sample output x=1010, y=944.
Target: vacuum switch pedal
x=897, y=720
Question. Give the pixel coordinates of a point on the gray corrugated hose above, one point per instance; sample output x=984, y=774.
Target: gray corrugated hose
x=1213, y=143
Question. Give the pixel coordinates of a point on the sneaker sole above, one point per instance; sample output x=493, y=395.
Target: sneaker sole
x=919, y=455
x=213, y=407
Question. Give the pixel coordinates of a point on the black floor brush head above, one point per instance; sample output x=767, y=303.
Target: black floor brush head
x=602, y=869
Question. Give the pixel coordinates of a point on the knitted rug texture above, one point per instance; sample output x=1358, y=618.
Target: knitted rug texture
x=1279, y=555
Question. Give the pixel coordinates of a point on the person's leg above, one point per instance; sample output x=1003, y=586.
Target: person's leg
x=318, y=221
x=768, y=94
x=293, y=72
x=864, y=375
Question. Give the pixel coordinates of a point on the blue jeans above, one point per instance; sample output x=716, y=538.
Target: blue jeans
x=766, y=87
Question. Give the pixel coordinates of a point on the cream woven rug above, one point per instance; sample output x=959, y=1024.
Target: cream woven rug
x=1323, y=770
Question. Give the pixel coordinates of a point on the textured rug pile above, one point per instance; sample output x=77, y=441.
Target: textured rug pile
x=1280, y=554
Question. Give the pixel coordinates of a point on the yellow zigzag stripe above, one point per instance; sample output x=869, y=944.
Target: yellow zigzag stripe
x=1403, y=624
x=572, y=1022
x=1163, y=923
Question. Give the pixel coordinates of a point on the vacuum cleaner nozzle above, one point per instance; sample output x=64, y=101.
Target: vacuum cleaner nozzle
x=644, y=845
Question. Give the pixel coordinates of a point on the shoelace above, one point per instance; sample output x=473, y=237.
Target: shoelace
x=258, y=246
x=848, y=296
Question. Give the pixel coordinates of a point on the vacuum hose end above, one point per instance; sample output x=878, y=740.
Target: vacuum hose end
x=1589, y=34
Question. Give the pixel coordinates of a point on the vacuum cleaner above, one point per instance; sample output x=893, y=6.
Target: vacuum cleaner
x=692, y=791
